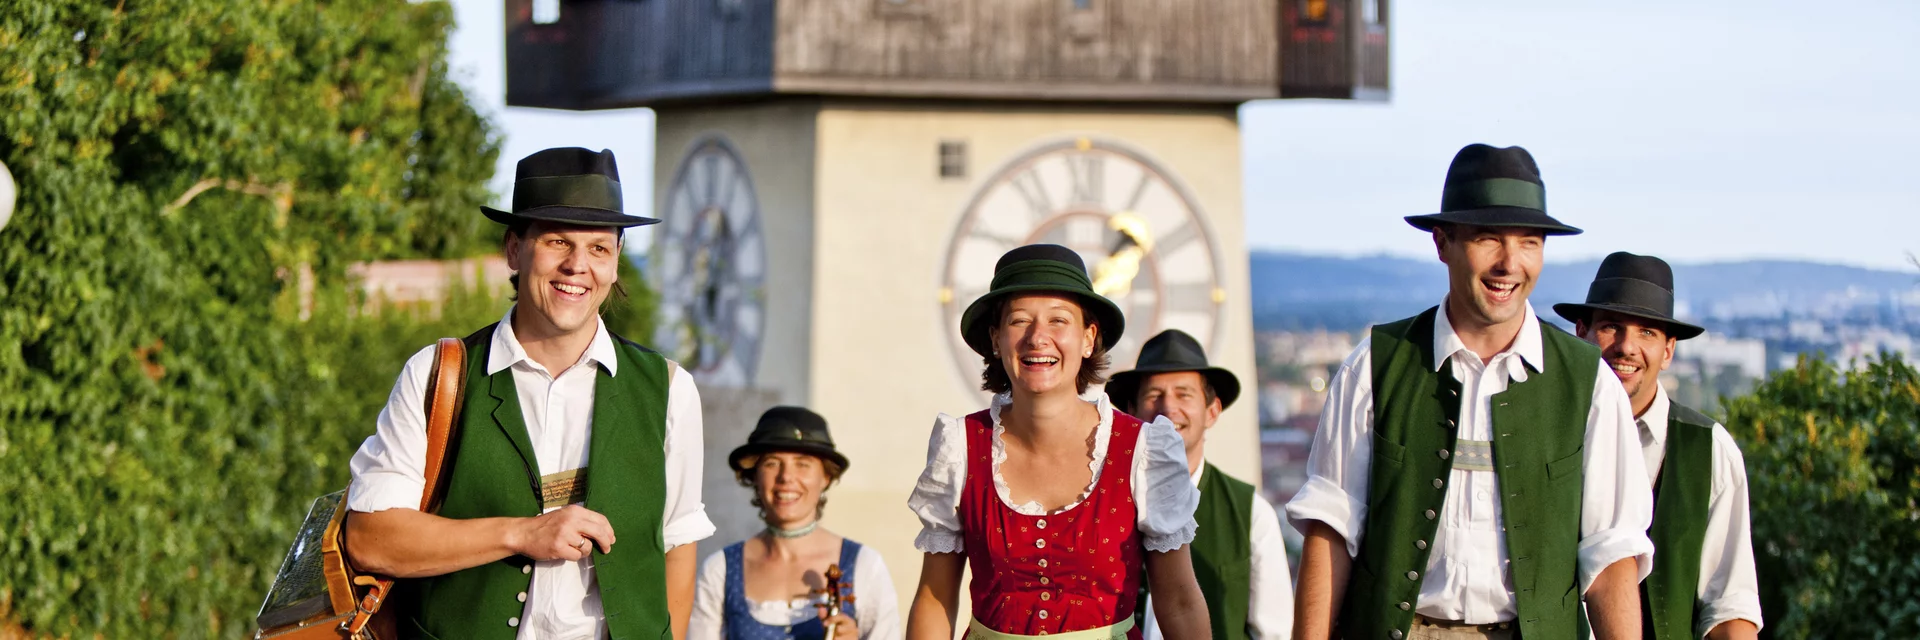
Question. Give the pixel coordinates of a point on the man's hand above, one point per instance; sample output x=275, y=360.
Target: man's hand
x=567, y=533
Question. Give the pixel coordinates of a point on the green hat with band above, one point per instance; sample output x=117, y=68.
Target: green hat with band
x=1040, y=268
x=568, y=185
x=1493, y=187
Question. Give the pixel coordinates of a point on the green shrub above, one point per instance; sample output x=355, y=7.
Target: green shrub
x=1833, y=460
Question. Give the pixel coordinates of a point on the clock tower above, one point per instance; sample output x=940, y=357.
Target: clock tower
x=836, y=179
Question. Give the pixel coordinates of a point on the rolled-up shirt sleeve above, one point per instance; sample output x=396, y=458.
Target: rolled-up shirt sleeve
x=1163, y=488
x=685, y=516
x=1337, y=467
x=936, y=495
x=1616, y=505
x=1729, y=589
x=389, y=469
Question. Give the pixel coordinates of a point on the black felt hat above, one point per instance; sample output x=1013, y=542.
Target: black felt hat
x=791, y=429
x=1493, y=187
x=1040, y=268
x=1171, y=351
x=1639, y=286
x=569, y=185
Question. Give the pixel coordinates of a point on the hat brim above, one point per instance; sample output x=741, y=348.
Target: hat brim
x=1106, y=314
x=582, y=216
x=1124, y=386
x=755, y=449
x=1579, y=312
x=1496, y=217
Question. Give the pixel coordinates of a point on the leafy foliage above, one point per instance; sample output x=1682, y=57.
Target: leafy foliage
x=1833, y=462
x=184, y=364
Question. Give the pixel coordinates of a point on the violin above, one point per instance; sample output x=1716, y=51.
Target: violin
x=838, y=592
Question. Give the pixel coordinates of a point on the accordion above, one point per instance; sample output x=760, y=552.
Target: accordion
x=317, y=594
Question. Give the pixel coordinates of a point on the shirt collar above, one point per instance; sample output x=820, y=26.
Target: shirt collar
x=1195, y=476
x=506, y=350
x=1096, y=396
x=1654, y=421
x=1528, y=345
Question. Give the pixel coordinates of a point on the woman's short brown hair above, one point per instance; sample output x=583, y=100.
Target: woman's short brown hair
x=747, y=478
x=1093, y=368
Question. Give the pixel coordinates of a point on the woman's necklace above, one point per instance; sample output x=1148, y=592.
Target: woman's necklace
x=795, y=532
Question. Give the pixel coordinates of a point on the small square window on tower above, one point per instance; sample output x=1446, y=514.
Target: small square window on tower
x=546, y=11
x=953, y=159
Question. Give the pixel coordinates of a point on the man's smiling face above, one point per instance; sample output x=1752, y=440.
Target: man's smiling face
x=565, y=272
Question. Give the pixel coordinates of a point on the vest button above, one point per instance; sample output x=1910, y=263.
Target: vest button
x=1043, y=614
x=1039, y=544
x=1451, y=423
x=1444, y=454
x=528, y=568
x=1045, y=596
x=522, y=596
x=1043, y=563
x=1406, y=607
x=1413, y=575
x=1437, y=483
x=1419, y=544
x=1044, y=580
x=1042, y=524
x=1395, y=634
x=1430, y=514
x=513, y=622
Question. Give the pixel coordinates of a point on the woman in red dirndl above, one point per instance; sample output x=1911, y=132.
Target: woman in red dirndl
x=1062, y=507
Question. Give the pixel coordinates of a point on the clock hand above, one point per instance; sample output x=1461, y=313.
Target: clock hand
x=1113, y=277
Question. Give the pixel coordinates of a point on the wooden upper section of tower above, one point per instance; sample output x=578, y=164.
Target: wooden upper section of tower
x=602, y=54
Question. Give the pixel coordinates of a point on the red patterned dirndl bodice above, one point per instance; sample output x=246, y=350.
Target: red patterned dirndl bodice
x=1076, y=570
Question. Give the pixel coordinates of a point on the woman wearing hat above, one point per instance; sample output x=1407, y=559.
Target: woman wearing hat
x=771, y=586
x=1062, y=507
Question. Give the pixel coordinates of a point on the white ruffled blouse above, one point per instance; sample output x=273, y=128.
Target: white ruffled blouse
x=1163, y=494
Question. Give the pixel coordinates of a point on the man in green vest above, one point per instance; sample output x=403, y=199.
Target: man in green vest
x=1238, y=556
x=571, y=504
x=1704, y=584
x=1474, y=474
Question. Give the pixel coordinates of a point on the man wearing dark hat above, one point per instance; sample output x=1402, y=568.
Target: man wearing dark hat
x=1704, y=584
x=1238, y=556
x=572, y=503
x=1475, y=473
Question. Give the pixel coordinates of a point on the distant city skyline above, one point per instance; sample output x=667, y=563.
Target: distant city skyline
x=1699, y=132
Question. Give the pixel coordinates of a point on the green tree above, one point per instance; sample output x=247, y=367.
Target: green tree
x=183, y=363
x=1833, y=461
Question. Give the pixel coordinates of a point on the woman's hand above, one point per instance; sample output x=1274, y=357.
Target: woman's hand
x=844, y=628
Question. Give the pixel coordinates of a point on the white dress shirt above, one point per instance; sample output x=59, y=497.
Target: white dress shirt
x=1728, y=589
x=564, y=601
x=1270, y=583
x=1164, y=505
x=876, y=606
x=1467, y=577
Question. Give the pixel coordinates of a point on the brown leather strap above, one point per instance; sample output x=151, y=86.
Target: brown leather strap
x=446, y=389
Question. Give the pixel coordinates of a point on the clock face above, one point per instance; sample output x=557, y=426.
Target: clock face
x=1146, y=244
x=710, y=261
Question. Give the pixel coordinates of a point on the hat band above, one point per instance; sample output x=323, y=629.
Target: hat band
x=1493, y=192
x=1631, y=292
x=1028, y=272
x=592, y=191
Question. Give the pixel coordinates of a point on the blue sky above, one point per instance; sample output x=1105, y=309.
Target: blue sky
x=1697, y=131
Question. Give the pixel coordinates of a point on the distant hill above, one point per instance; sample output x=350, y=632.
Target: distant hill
x=1303, y=291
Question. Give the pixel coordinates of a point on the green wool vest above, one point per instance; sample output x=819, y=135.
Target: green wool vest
x=494, y=473
x=1223, y=552
x=1539, y=427
x=1682, y=496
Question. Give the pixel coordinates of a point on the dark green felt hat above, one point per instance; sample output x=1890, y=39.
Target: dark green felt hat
x=1040, y=268
x=1493, y=187
x=569, y=185
x=785, y=428
x=1171, y=351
